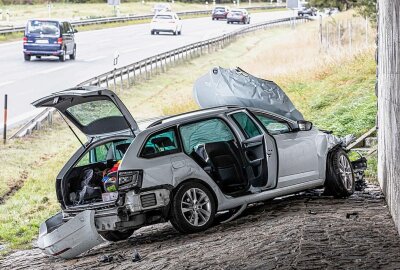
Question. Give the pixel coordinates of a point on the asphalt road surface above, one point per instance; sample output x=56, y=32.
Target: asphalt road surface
x=24, y=82
x=304, y=231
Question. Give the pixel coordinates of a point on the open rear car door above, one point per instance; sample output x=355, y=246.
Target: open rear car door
x=93, y=110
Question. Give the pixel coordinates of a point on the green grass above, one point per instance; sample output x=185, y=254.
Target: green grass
x=340, y=98
x=337, y=96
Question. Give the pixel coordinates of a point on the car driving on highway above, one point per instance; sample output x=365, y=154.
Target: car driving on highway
x=49, y=38
x=238, y=16
x=166, y=22
x=161, y=7
x=186, y=168
x=219, y=13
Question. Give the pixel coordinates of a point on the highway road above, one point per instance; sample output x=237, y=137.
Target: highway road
x=25, y=82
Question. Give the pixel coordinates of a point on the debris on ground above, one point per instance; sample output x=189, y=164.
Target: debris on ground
x=312, y=212
x=136, y=256
x=106, y=258
x=353, y=215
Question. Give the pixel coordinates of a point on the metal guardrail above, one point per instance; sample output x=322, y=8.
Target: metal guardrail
x=145, y=68
x=16, y=29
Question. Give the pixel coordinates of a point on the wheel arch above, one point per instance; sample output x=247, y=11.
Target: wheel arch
x=197, y=180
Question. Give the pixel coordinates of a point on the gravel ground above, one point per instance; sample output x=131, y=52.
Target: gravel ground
x=304, y=231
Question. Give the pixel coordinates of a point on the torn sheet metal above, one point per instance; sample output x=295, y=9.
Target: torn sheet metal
x=68, y=240
x=221, y=87
x=343, y=141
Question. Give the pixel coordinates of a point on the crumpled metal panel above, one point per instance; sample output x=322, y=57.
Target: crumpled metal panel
x=69, y=239
x=335, y=140
x=220, y=87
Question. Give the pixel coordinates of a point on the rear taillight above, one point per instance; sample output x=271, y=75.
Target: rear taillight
x=25, y=40
x=59, y=40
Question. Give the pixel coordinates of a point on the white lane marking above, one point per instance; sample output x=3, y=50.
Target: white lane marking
x=130, y=50
x=95, y=58
x=10, y=43
x=52, y=69
x=5, y=83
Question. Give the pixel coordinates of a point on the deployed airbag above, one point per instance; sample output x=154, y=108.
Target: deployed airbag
x=222, y=87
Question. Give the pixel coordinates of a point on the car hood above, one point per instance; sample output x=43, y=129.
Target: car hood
x=95, y=111
x=221, y=87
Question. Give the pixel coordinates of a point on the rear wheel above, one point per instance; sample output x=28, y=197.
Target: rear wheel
x=193, y=208
x=340, y=181
x=174, y=32
x=27, y=57
x=73, y=55
x=152, y=32
x=115, y=236
x=63, y=56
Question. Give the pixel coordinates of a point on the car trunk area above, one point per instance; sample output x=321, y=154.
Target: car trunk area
x=93, y=179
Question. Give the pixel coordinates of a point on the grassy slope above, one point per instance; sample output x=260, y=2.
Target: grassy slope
x=260, y=53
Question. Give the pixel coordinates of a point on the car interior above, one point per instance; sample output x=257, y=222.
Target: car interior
x=95, y=173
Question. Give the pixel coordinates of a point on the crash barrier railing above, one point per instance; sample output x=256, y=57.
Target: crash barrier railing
x=133, y=18
x=153, y=65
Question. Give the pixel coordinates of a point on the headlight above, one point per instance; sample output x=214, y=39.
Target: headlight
x=133, y=178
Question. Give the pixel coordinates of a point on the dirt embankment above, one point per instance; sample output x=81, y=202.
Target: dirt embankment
x=306, y=231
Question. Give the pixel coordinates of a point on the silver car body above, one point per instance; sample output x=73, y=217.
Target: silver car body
x=295, y=160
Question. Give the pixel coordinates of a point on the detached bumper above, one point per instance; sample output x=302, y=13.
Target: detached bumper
x=68, y=240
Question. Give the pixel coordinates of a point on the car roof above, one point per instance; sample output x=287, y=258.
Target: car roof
x=166, y=13
x=48, y=20
x=202, y=114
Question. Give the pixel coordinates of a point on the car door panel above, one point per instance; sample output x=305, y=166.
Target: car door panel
x=298, y=159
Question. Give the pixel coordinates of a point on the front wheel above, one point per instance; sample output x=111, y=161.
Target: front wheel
x=115, y=236
x=193, y=208
x=340, y=181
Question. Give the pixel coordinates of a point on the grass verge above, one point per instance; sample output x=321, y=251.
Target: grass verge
x=316, y=89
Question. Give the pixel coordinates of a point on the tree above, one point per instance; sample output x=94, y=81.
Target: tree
x=389, y=104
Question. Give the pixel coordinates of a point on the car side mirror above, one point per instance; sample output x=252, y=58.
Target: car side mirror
x=75, y=31
x=304, y=125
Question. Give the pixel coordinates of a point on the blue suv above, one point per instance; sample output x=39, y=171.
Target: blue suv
x=49, y=38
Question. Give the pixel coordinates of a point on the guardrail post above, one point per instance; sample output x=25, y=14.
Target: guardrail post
x=145, y=70
x=129, y=79
x=107, y=82
x=134, y=74
x=115, y=82
x=5, y=119
x=121, y=75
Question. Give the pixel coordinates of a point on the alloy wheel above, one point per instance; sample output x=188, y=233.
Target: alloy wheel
x=196, y=207
x=346, y=172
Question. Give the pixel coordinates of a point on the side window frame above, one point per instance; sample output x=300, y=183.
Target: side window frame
x=255, y=122
x=164, y=153
x=290, y=129
x=229, y=125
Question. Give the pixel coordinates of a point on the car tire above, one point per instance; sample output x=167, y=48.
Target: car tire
x=180, y=32
x=115, y=236
x=340, y=180
x=63, y=56
x=38, y=57
x=200, y=211
x=152, y=32
x=73, y=55
x=174, y=33
x=27, y=57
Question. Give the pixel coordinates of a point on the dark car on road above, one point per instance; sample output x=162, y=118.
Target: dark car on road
x=307, y=12
x=49, y=38
x=238, y=16
x=220, y=13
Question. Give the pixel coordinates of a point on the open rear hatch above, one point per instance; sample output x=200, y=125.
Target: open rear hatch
x=95, y=111
x=222, y=87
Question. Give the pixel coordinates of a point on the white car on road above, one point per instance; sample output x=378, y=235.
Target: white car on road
x=166, y=22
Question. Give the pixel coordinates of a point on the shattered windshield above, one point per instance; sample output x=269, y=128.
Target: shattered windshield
x=88, y=112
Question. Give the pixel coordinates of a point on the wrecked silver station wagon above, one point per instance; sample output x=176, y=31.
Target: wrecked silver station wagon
x=247, y=144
